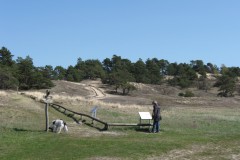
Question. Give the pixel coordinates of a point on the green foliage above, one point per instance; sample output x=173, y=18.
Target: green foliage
x=107, y=65
x=38, y=81
x=47, y=71
x=25, y=72
x=22, y=74
x=90, y=69
x=204, y=84
x=227, y=85
x=115, y=71
x=181, y=94
x=31, y=77
x=118, y=71
x=127, y=87
x=73, y=74
x=59, y=73
x=163, y=64
x=187, y=93
x=233, y=72
x=7, y=80
x=6, y=57
x=184, y=75
x=172, y=69
x=184, y=82
x=120, y=79
x=141, y=72
x=238, y=89
x=227, y=82
x=154, y=71
x=93, y=69
x=210, y=68
x=199, y=67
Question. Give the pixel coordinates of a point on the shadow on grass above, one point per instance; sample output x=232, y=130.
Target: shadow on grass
x=94, y=126
x=129, y=128
x=144, y=130
x=78, y=120
x=26, y=130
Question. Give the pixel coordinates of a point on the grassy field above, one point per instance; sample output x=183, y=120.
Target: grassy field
x=198, y=132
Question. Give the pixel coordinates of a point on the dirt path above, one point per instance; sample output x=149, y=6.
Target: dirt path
x=94, y=88
x=98, y=92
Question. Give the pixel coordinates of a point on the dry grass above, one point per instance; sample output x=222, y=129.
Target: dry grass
x=210, y=117
x=79, y=100
x=3, y=93
x=127, y=106
x=201, y=152
x=19, y=112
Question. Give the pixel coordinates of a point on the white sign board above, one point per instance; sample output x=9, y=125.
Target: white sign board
x=48, y=100
x=145, y=115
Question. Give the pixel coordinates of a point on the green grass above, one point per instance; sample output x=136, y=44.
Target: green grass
x=212, y=133
x=41, y=145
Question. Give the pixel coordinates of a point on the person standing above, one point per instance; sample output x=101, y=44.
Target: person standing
x=156, y=117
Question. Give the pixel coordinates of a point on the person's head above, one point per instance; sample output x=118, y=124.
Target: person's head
x=154, y=102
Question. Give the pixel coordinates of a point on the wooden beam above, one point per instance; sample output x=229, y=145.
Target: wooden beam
x=128, y=124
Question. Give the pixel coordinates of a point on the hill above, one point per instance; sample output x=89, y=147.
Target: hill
x=166, y=95
x=200, y=127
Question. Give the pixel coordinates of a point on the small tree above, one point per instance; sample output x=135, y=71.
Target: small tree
x=127, y=87
x=59, y=73
x=25, y=72
x=73, y=74
x=6, y=57
x=187, y=93
x=227, y=85
x=238, y=89
x=204, y=84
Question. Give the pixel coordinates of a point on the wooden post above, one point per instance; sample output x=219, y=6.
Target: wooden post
x=46, y=115
x=47, y=100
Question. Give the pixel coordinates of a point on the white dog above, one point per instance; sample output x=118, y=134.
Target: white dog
x=57, y=125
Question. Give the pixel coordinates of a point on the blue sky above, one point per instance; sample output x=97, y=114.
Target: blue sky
x=58, y=32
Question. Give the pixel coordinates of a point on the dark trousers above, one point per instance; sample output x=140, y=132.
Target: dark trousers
x=156, y=126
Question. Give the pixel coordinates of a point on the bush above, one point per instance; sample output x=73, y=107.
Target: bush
x=186, y=94
x=189, y=94
x=7, y=80
x=181, y=94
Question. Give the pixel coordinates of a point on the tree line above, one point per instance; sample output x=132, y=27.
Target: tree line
x=116, y=71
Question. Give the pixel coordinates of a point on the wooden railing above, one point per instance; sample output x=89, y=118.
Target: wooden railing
x=57, y=106
x=106, y=125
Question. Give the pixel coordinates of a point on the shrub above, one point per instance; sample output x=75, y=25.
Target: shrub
x=181, y=94
x=186, y=94
x=189, y=94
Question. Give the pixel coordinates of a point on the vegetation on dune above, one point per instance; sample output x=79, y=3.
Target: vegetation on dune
x=118, y=72
x=22, y=74
x=192, y=128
